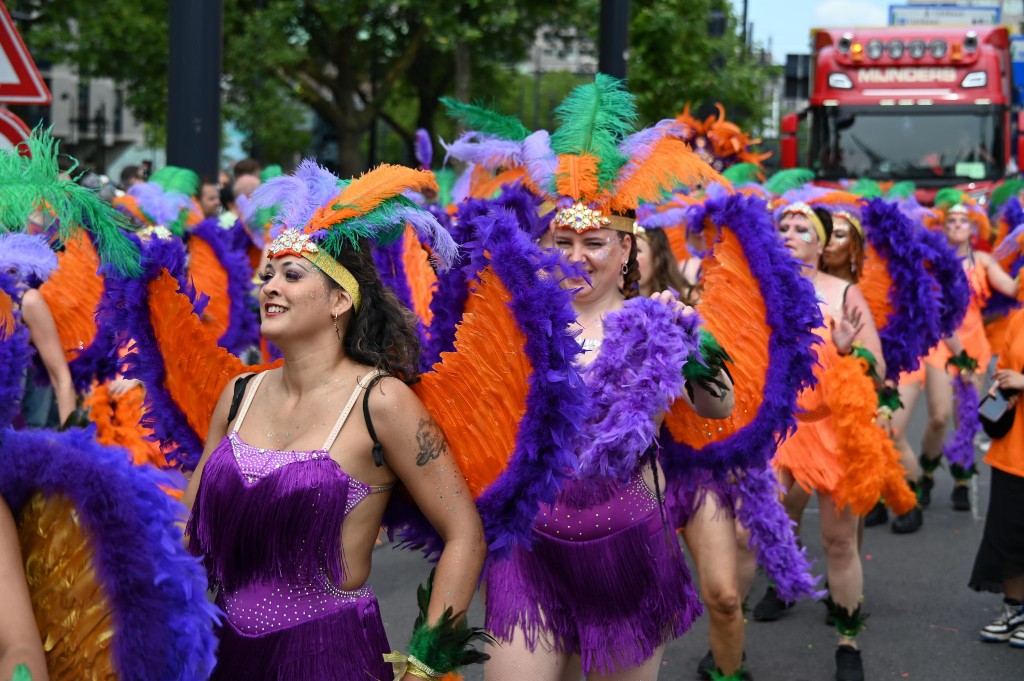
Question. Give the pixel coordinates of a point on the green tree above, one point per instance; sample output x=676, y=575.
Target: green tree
x=673, y=60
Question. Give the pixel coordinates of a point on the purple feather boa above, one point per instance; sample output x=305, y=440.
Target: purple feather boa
x=913, y=325
x=164, y=624
x=1000, y=304
x=449, y=300
x=15, y=356
x=791, y=312
x=126, y=308
x=959, y=449
x=543, y=456
x=230, y=246
x=391, y=268
x=950, y=280
x=636, y=376
x=29, y=254
x=772, y=537
x=424, y=149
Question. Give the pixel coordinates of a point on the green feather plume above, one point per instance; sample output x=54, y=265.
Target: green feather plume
x=594, y=119
x=901, y=190
x=867, y=188
x=487, y=121
x=1002, y=194
x=705, y=365
x=444, y=646
x=175, y=179
x=742, y=173
x=948, y=196
x=785, y=180
x=446, y=179
x=270, y=172
x=33, y=183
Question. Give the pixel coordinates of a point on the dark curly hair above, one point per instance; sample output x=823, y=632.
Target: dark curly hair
x=631, y=279
x=382, y=332
x=665, y=272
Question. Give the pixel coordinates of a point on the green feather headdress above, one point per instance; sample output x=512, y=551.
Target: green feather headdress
x=33, y=183
x=787, y=180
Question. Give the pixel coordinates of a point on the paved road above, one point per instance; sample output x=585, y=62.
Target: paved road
x=923, y=623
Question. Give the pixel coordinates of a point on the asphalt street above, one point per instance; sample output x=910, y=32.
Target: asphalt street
x=923, y=619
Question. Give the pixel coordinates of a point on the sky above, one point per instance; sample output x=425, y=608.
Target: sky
x=788, y=22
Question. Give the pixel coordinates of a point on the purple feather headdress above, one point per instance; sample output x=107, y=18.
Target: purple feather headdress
x=160, y=206
x=299, y=196
x=157, y=591
x=485, y=151
x=806, y=194
x=30, y=256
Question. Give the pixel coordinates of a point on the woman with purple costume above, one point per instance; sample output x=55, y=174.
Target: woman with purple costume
x=288, y=498
x=604, y=586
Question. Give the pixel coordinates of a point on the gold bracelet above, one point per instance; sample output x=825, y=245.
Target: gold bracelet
x=408, y=664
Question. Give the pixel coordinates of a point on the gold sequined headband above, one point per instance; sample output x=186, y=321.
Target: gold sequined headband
x=801, y=208
x=581, y=218
x=294, y=242
x=849, y=217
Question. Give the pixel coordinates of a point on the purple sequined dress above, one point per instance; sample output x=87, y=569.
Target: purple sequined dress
x=268, y=524
x=605, y=577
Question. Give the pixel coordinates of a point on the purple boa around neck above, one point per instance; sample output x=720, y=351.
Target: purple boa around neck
x=959, y=448
x=543, y=456
x=15, y=355
x=950, y=281
x=126, y=308
x=636, y=376
x=231, y=248
x=29, y=254
x=164, y=624
x=913, y=325
x=772, y=537
x=391, y=268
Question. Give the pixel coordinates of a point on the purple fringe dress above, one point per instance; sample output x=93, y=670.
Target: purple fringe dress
x=268, y=524
x=608, y=582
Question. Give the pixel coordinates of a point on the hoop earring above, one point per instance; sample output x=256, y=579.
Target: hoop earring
x=336, y=329
x=625, y=268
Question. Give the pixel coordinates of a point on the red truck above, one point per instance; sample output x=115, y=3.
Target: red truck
x=930, y=104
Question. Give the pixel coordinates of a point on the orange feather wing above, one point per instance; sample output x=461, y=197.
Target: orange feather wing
x=420, y=274
x=73, y=293
x=210, y=277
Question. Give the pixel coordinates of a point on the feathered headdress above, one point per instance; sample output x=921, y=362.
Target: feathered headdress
x=319, y=215
x=950, y=200
x=720, y=143
x=33, y=183
x=27, y=254
x=152, y=205
x=595, y=169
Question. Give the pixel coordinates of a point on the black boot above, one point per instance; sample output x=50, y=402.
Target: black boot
x=849, y=666
x=877, y=516
x=912, y=520
x=771, y=607
x=927, y=481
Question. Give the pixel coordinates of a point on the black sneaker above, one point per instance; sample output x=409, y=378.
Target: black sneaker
x=848, y=664
x=876, y=516
x=771, y=607
x=926, y=484
x=961, y=498
x=909, y=522
x=1009, y=622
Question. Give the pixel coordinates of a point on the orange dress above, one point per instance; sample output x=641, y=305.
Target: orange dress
x=972, y=329
x=1007, y=453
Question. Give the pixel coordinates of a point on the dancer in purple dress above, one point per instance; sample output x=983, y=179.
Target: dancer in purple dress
x=300, y=462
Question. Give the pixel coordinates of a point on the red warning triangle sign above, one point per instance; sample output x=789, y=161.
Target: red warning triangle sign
x=20, y=81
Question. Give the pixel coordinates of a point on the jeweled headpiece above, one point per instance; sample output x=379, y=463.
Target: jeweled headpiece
x=318, y=215
x=595, y=166
x=804, y=209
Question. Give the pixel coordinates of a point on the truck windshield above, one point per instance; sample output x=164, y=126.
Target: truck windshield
x=939, y=144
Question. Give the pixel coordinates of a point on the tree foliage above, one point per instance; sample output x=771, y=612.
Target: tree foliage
x=673, y=60
x=385, y=63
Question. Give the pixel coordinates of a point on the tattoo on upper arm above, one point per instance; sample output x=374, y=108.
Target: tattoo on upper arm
x=431, y=442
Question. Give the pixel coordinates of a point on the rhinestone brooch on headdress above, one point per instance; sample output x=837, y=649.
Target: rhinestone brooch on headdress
x=580, y=217
x=292, y=241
